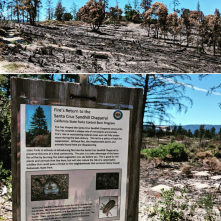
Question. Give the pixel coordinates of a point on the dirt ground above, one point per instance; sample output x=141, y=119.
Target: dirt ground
x=113, y=49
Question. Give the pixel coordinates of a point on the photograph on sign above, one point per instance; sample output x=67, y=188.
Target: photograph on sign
x=49, y=187
x=38, y=126
x=108, y=206
x=107, y=181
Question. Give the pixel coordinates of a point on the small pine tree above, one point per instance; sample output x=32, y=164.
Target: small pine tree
x=59, y=11
x=198, y=6
x=39, y=122
x=74, y=10
x=49, y=9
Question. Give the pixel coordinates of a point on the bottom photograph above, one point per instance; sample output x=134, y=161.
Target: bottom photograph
x=49, y=187
x=86, y=195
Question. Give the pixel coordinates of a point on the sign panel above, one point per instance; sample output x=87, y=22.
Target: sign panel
x=73, y=163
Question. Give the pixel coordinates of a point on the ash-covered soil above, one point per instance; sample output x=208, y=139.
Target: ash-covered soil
x=113, y=49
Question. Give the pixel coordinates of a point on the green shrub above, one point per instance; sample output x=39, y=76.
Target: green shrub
x=4, y=172
x=172, y=139
x=206, y=201
x=25, y=43
x=217, y=154
x=14, y=42
x=8, y=182
x=145, y=151
x=192, y=150
x=212, y=146
x=5, y=135
x=178, y=152
x=173, y=208
x=219, y=147
x=159, y=152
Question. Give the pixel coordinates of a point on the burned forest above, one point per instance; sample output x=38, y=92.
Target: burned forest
x=112, y=49
x=105, y=41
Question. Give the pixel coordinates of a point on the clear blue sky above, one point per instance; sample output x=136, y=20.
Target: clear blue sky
x=30, y=110
x=205, y=108
x=208, y=7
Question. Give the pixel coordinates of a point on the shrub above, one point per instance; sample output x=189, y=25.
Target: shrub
x=8, y=183
x=219, y=147
x=4, y=172
x=5, y=135
x=14, y=42
x=2, y=45
x=213, y=164
x=130, y=14
x=172, y=139
x=157, y=161
x=205, y=201
x=191, y=155
x=147, y=151
x=204, y=143
x=186, y=143
x=159, y=152
x=186, y=170
x=173, y=151
x=173, y=208
x=178, y=151
x=67, y=16
x=203, y=155
x=192, y=150
x=217, y=154
x=212, y=146
x=25, y=43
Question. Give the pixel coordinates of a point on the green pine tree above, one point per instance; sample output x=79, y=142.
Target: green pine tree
x=39, y=122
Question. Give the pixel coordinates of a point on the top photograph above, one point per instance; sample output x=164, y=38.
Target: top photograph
x=108, y=36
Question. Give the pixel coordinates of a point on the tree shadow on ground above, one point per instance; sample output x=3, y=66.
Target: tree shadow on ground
x=99, y=32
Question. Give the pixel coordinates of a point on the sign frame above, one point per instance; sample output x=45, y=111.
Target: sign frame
x=41, y=92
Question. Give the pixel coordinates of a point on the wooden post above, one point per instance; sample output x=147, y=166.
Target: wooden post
x=41, y=92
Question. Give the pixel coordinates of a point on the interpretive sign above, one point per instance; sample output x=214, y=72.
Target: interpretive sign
x=75, y=153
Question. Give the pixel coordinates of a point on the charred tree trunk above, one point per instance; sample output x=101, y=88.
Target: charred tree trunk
x=109, y=80
x=214, y=47
x=145, y=96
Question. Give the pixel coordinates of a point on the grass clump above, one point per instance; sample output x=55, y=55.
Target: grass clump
x=12, y=67
x=25, y=43
x=211, y=147
x=14, y=42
